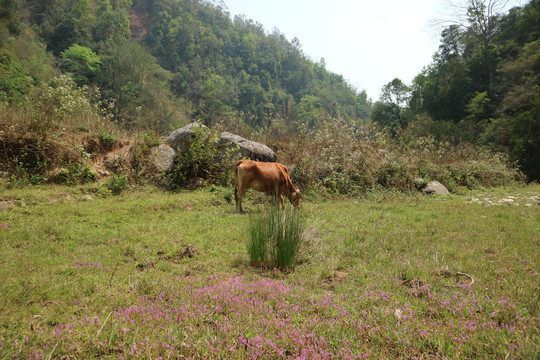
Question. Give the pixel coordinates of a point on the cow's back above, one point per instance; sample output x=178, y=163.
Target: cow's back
x=260, y=176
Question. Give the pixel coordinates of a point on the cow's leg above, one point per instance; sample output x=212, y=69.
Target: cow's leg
x=238, y=195
x=282, y=201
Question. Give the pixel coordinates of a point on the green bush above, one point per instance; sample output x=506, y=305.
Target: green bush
x=275, y=237
x=117, y=183
x=107, y=140
x=142, y=168
x=197, y=162
x=75, y=174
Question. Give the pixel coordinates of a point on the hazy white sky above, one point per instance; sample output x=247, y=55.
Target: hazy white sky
x=368, y=42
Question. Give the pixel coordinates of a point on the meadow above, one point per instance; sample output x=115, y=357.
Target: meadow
x=153, y=274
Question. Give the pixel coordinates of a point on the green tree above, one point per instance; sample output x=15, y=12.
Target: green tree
x=138, y=87
x=14, y=80
x=517, y=130
x=82, y=62
x=66, y=23
x=391, y=109
x=112, y=23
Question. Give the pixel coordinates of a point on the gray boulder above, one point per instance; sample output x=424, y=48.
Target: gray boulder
x=435, y=187
x=419, y=183
x=248, y=148
x=181, y=138
x=163, y=157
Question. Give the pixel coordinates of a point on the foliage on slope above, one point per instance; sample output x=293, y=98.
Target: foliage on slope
x=482, y=86
x=155, y=65
x=162, y=61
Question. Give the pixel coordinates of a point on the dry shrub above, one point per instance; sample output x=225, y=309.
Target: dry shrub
x=459, y=165
x=51, y=129
x=337, y=157
x=329, y=156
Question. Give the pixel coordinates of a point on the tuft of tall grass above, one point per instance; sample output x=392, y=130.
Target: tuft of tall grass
x=275, y=236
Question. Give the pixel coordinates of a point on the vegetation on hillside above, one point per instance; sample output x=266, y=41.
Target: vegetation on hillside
x=75, y=73
x=178, y=58
x=483, y=86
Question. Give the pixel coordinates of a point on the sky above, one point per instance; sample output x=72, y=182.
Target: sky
x=368, y=42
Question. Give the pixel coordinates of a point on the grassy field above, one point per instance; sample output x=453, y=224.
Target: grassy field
x=153, y=274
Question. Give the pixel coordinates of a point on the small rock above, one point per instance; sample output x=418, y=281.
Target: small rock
x=528, y=204
x=475, y=201
x=102, y=172
x=435, y=187
x=163, y=157
x=87, y=198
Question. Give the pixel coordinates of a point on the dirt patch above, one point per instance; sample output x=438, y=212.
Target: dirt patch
x=6, y=205
x=188, y=252
x=116, y=160
x=138, y=21
x=336, y=278
x=147, y=264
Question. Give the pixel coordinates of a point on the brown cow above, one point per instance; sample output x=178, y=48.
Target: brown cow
x=264, y=177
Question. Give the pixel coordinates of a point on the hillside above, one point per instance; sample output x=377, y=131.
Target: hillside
x=83, y=72
x=182, y=58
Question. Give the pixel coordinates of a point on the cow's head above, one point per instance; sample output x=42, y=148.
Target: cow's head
x=296, y=195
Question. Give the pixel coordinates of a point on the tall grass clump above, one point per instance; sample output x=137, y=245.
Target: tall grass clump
x=275, y=237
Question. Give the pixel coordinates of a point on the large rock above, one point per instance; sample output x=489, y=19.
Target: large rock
x=435, y=187
x=181, y=138
x=163, y=157
x=248, y=148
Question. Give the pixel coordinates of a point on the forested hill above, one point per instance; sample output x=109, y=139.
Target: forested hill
x=223, y=65
x=162, y=62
